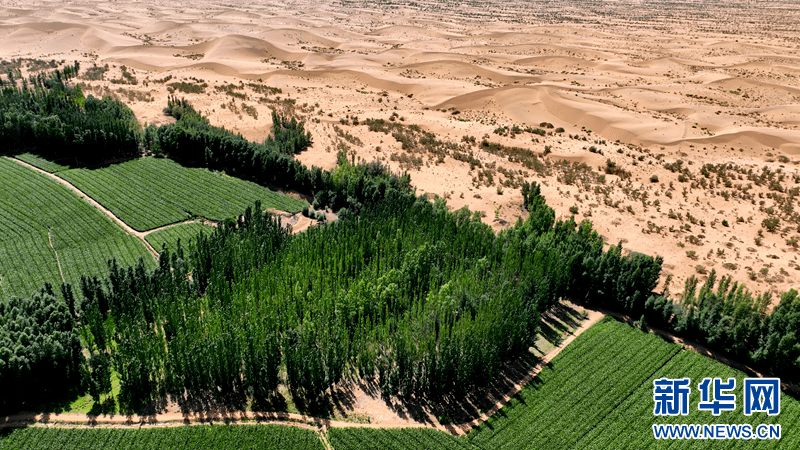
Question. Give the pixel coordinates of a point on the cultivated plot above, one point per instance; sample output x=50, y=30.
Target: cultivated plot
x=636, y=413
x=43, y=223
x=212, y=437
x=148, y=193
x=41, y=163
x=396, y=439
x=598, y=393
x=170, y=235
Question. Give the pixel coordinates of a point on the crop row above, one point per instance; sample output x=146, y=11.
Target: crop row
x=139, y=207
x=262, y=437
x=580, y=387
x=395, y=439
x=150, y=192
x=38, y=161
x=593, y=396
x=630, y=425
x=35, y=212
x=26, y=263
x=169, y=236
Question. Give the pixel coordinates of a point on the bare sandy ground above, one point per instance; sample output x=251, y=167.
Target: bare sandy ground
x=632, y=82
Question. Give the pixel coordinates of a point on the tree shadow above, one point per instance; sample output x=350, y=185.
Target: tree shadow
x=338, y=403
x=76, y=163
x=456, y=409
x=57, y=402
x=106, y=407
x=208, y=403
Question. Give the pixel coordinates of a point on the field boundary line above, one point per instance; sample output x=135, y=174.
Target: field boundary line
x=171, y=225
x=58, y=262
x=139, y=235
x=167, y=419
x=323, y=436
x=463, y=428
x=696, y=347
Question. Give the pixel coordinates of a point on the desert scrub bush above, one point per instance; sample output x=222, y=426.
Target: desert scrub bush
x=469, y=140
x=729, y=266
x=189, y=88
x=95, y=72
x=700, y=269
x=771, y=224
x=691, y=254
x=612, y=169
x=573, y=209
x=654, y=179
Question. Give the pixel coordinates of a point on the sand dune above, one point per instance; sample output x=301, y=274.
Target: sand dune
x=406, y=31
x=738, y=83
x=461, y=70
x=625, y=89
x=544, y=47
x=242, y=48
x=291, y=36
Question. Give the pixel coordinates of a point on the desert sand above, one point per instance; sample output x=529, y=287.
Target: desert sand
x=636, y=83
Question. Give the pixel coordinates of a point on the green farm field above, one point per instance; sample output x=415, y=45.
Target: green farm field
x=596, y=394
x=148, y=193
x=203, y=437
x=40, y=218
x=170, y=235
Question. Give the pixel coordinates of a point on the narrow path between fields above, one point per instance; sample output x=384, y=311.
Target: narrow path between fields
x=299, y=223
x=285, y=418
x=206, y=222
x=316, y=423
x=58, y=262
x=138, y=234
x=593, y=318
